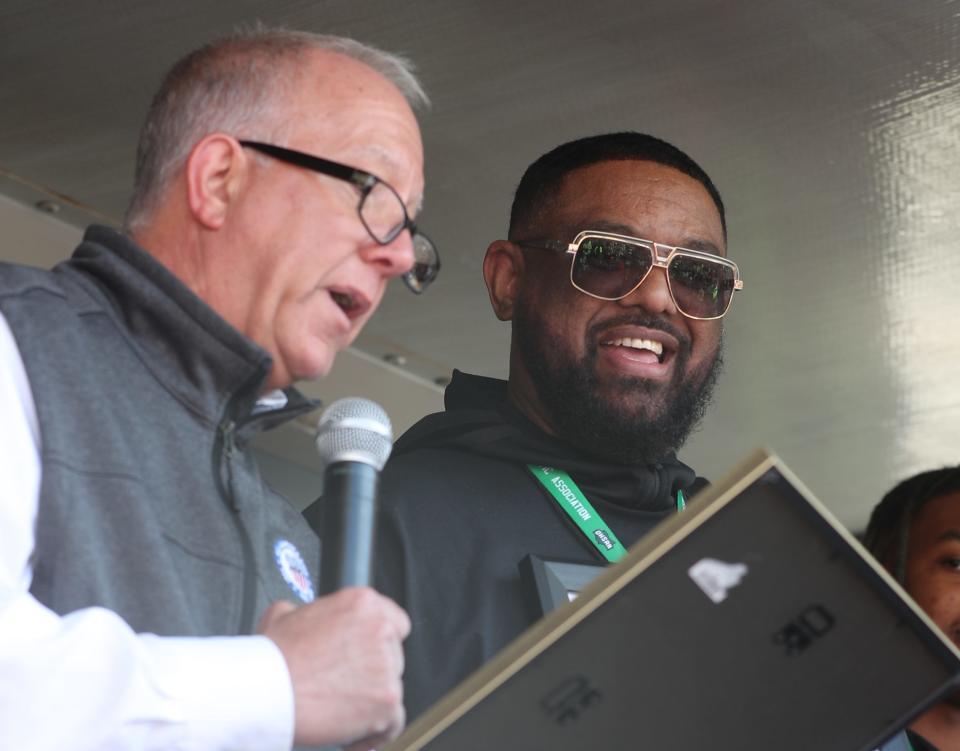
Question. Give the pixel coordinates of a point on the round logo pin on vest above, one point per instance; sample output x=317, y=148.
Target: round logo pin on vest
x=293, y=570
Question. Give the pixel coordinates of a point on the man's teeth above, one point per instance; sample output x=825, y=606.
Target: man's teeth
x=655, y=347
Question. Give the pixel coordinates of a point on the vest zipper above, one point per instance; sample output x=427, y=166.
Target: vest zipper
x=228, y=445
x=224, y=453
x=225, y=449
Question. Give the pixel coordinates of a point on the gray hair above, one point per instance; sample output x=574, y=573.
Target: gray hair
x=233, y=85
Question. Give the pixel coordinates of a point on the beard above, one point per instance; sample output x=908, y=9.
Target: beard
x=626, y=419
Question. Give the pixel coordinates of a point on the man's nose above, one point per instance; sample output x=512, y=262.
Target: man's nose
x=394, y=258
x=653, y=294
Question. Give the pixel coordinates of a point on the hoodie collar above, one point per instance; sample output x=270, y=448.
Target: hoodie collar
x=480, y=418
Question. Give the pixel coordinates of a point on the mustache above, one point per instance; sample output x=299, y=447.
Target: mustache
x=641, y=319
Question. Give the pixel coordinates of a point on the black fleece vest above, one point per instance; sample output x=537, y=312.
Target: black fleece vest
x=150, y=503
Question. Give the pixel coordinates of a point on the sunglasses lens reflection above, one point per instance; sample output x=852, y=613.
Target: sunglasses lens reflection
x=610, y=268
x=701, y=288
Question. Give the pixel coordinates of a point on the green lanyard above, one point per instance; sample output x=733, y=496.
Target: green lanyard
x=574, y=503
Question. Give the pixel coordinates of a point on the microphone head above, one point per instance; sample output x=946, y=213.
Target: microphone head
x=354, y=430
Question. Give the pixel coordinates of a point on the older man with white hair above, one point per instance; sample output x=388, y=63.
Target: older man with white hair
x=146, y=571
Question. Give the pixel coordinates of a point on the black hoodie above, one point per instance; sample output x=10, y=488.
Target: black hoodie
x=460, y=511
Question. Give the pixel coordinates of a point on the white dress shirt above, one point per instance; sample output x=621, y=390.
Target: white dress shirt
x=86, y=680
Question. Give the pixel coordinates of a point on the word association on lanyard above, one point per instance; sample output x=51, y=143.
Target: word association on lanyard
x=574, y=503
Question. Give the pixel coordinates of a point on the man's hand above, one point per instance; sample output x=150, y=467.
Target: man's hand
x=345, y=657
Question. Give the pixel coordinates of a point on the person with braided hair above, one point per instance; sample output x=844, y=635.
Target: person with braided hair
x=915, y=533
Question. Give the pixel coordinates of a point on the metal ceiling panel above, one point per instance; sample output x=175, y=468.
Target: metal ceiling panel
x=831, y=129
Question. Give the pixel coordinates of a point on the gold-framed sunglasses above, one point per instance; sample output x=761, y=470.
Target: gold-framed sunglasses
x=610, y=266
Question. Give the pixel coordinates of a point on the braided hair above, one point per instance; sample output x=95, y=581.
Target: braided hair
x=889, y=528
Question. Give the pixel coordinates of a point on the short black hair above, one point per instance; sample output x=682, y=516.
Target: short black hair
x=542, y=178
x=889, y=527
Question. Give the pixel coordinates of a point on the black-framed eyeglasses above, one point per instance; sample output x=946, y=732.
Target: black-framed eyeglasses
x=610, y=266
x=381, y=209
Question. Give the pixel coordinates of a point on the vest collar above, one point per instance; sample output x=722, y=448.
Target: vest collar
x=209, y=366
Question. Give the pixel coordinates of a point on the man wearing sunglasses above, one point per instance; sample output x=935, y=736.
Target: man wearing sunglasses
x=147, y=574
x=615, y=280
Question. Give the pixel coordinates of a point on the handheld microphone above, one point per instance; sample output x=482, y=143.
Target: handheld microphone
x=354, y=438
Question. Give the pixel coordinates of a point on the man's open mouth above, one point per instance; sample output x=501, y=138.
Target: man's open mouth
x=351, y=303
x=641, y=345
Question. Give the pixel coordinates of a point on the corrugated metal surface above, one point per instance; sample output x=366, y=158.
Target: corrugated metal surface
x=831, y=128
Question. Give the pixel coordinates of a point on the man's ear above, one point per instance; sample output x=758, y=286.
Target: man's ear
x=503, y=267
x=215, y=171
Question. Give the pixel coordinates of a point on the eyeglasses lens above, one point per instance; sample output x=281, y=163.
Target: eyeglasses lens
x=385, y=217
x=610, y=268
x=701, y=288
x=426, y=264
x=383, y=212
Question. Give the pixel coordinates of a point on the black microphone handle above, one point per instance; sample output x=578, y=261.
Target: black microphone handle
x=348, y=520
